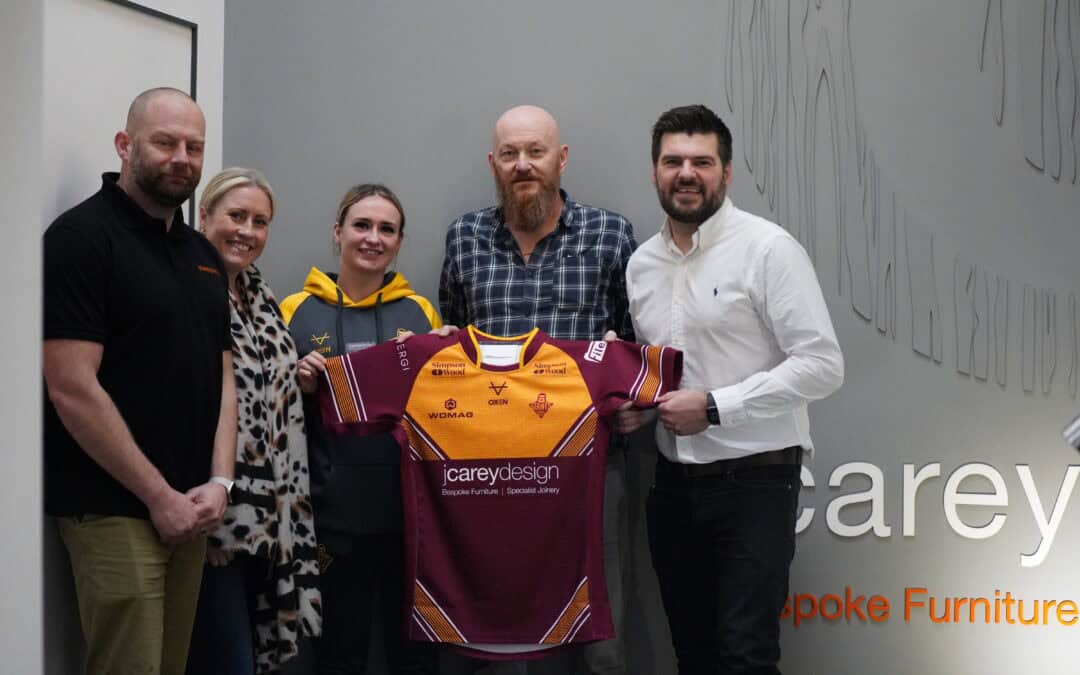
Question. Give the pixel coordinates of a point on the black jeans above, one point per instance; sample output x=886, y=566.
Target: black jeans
x=722, y=547
x=353, y=568
x=223, y=638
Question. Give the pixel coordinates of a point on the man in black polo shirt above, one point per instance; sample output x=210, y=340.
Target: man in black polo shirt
x=140, y=421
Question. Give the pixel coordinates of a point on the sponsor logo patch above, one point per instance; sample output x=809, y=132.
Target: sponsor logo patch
x=541, y=405
x=447, y=369
x=595, y=351
x=549, y=368
x=452, y=413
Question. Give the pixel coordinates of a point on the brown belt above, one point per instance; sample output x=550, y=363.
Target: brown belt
x=665, y=468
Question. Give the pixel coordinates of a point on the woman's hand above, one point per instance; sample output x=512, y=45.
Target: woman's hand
x=442, y=331
x=308, y=371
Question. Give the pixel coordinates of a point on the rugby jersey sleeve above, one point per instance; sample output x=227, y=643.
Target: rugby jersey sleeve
x=366, y=391
x=621, y=371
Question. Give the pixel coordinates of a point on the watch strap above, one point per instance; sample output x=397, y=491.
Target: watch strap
x=225, y=483
x=712, y=413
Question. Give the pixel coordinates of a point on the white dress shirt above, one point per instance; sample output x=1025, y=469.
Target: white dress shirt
x=746, y=309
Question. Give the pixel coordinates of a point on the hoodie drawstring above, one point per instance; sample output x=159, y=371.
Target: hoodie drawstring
x=339, y=320
x=378, y=319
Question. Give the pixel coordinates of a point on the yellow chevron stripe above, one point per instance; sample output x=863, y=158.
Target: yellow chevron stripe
x=577, y=443
x=335, y=368
x=652, y=375
x=435, y=617
x=569, y=616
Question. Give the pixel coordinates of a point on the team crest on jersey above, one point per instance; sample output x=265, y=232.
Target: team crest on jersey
x=541, y=405
x=595, y=351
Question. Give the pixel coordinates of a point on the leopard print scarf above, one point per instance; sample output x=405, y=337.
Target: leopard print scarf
x=271, y=515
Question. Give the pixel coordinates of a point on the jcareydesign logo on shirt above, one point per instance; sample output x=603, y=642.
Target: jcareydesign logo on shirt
x=208, y=270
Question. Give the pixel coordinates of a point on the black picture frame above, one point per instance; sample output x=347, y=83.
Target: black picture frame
x=194, y=28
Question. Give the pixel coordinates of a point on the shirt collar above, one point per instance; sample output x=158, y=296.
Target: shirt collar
x=135, y=216
x=706, y=234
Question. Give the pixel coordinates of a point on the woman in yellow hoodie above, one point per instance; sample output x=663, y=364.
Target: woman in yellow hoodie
x=355, y=481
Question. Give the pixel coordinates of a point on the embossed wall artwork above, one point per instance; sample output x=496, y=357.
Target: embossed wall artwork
x=789, y=80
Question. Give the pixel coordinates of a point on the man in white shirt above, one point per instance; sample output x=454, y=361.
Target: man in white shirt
x=739, y=296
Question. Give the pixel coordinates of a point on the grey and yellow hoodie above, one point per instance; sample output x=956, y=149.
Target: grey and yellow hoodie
x=355, y=481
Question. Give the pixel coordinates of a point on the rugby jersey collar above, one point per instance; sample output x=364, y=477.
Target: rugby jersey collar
x=471, y=337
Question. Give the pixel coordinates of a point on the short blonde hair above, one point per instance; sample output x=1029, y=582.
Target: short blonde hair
x=232, y=178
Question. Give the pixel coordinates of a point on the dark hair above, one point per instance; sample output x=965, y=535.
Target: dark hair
x=365, y=190
x=692, y=119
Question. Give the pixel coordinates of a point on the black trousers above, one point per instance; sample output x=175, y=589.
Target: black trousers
x=722, y=546
x=352, y=569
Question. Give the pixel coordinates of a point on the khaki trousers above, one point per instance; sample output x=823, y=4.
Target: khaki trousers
x=136, y=595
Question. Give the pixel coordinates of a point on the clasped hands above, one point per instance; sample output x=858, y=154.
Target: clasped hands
x=182, y=517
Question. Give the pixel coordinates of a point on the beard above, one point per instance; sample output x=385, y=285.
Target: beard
x=526, y=212
x=156, y=183
x=710, y=203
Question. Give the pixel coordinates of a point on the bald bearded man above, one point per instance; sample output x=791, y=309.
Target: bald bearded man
x=538, y=258
x=140, y=420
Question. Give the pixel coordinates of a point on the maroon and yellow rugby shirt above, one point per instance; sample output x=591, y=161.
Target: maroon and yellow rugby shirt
x=502, y=473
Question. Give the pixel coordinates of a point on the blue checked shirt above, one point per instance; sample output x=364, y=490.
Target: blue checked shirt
x=573, y=286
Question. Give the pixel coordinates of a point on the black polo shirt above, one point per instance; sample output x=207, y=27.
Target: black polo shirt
x=158, y=302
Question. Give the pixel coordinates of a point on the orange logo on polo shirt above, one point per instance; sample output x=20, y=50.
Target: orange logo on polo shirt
x=541, y=405
x=208, y=270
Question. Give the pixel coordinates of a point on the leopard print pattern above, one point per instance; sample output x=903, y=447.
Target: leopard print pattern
x=271, y=514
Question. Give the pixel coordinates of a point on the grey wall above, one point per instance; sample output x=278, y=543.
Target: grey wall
x=20, y=274
x=924, y=152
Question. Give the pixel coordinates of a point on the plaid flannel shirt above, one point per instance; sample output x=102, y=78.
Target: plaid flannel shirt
x=573, y=286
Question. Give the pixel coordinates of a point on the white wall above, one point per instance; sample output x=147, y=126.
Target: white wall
x=95, y=57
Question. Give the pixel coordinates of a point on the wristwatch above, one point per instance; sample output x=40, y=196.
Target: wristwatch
x=225, y=483
x=711, y=412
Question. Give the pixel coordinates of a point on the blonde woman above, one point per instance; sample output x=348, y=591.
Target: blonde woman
x=259, y=592
x=356, y=482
